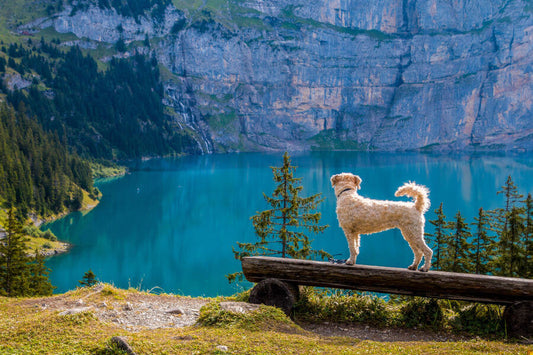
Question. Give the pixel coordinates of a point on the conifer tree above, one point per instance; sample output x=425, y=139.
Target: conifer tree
x=39, y=282
x=89, y=279
x=527, y=263
x=282, y=229
x=483, y=244
x=508, y=225
x=512, y=197
x=459, y=257
x=439, y=237
x=14, y=270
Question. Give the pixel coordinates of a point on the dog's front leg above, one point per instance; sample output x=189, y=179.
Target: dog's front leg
x=353, y=244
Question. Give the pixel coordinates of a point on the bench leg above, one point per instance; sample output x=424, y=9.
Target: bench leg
x=519, y=320
x=273, y=292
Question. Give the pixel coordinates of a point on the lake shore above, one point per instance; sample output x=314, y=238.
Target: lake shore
x=49, y=248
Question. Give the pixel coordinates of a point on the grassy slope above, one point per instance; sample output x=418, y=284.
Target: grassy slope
x=27, y=328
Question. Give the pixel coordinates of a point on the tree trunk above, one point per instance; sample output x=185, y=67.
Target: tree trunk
x=437, y=284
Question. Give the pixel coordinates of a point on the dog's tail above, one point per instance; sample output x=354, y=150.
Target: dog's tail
x=418, y=192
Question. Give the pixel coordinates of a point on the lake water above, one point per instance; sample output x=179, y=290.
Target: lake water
x=171, y=223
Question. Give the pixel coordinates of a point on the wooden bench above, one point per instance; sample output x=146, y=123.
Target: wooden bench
x=278, y=280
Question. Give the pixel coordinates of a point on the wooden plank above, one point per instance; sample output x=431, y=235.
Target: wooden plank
x=437, y=284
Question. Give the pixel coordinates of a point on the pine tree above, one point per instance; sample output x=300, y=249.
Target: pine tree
x=282, y=229
x=14, y=270
x=439, y=237
x=508, y=225
x=483, y=244
x=89, y=279
x=527, y=242
x=39, y=282
x=510, y=248
x=459, y=256
x=512, y=197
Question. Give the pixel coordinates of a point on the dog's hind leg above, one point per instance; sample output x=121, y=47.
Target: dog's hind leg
x=428, y=254
x=354, y=240
x=415, y=247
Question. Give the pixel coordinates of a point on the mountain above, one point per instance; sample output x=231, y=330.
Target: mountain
x=293, y=74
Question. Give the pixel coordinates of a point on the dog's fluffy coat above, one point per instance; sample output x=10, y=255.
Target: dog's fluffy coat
x=359, y=215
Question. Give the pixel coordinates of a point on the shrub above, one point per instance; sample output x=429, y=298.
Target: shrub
x=485, y=319
x=47, y=234
x=327, y=305
x=418, y=311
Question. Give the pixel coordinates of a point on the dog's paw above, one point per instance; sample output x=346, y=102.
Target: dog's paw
x=411, y=267
x=423, y=270
x=350, y=262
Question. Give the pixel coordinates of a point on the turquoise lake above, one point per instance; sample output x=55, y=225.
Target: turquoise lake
x=170, y=224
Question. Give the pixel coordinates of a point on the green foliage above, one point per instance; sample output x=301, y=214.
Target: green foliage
x=502, y=242
x=458, y=258
x=14, y=271
x=485, y=319
x=105, y=168
x=420, y=311
x=483, y=244
x=282, y=229
x=327, y=305
x=346, y=307
x=438, y=238
x=264, y=318
x=89, y=279
x=39, y=281
x=35, y=232
x=116, y=113
x=20, y=275
x=37, y=173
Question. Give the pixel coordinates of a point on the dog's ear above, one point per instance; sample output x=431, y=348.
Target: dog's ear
x=357, y=180
x=334, y=179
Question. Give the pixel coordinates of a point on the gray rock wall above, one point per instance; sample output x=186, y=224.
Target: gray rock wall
x=345, y=74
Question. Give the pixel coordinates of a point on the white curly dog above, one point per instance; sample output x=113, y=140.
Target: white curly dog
x=360, y=215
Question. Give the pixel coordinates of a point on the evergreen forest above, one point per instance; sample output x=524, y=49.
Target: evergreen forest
x=497, y=242
x=114, y=113
x=37, y=172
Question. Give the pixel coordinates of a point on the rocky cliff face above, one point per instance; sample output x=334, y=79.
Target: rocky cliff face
x=344, y=74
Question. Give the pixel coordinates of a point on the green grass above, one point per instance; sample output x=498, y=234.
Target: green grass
x=50, y=33
x=443, y=316
x=15, y=13
x=222, y=121
x=105, y=169
x=27, y=328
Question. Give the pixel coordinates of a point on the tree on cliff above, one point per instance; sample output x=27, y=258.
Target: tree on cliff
x=282, y=229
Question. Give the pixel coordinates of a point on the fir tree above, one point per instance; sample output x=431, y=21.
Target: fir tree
x=282, y=229
x=508, y=225
x=483, y=244
x=439, y=237
x=89, y=279
x=510, y=191
x=510, y=251
x=39, y=282
x=459, y=256
x=14, y=270
x=528, y=237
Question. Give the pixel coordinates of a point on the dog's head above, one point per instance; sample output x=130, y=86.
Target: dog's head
x=345, y=180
